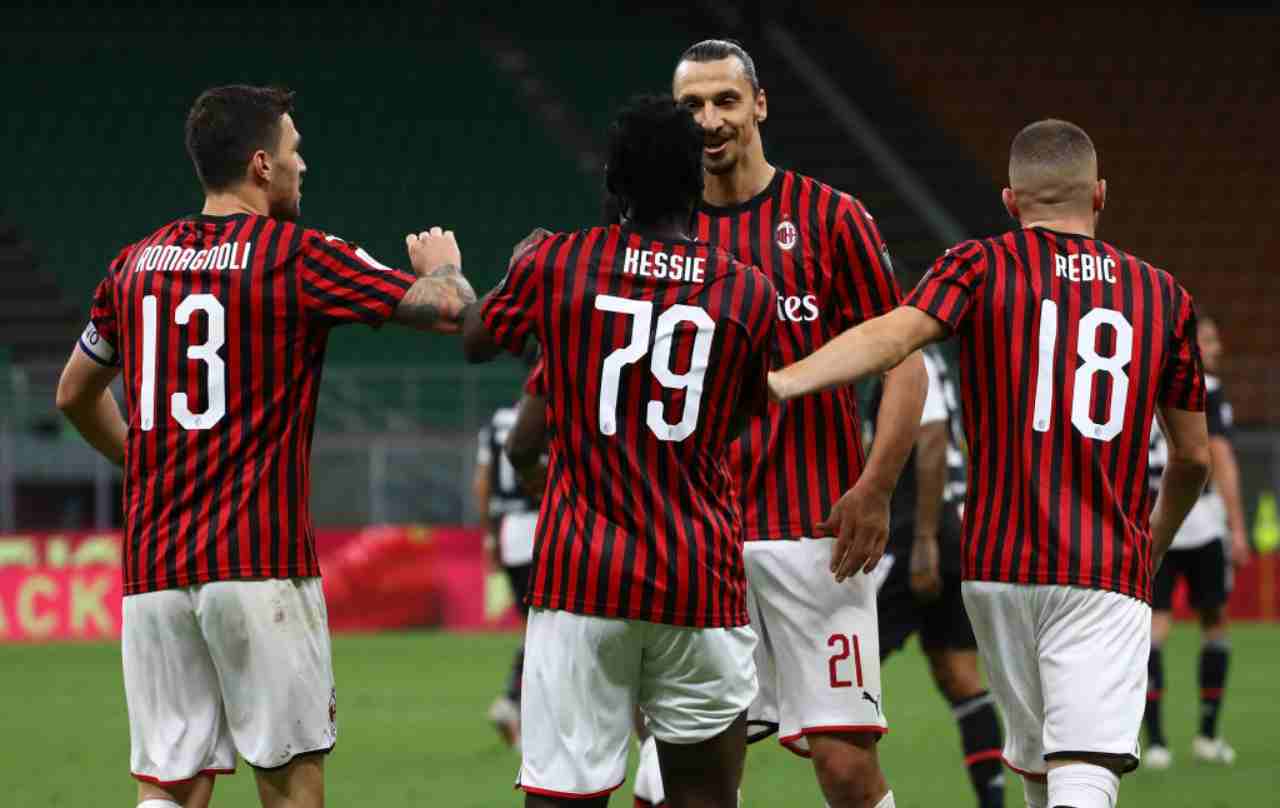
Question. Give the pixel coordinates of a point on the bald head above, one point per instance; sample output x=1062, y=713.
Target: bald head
x=1053, y=170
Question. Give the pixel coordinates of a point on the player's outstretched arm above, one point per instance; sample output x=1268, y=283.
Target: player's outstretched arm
x=860, y=518
x=84, y=397
x=871, y=347
x=1184, y=476
x=436, y=301
x=526, y=442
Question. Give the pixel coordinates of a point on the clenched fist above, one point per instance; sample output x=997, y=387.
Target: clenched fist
x=433, y=249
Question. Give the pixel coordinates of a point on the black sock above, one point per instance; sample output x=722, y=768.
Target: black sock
x=980, y=734
x=1155, y=692
x=1213, y=680
x=517, y=674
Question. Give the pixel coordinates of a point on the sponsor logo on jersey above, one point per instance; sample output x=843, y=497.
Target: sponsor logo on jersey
x=797, y=308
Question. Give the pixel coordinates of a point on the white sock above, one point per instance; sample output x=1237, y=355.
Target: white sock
x=1083, y=785
x=887, y=802
x=1035, y=792
x=158, y=804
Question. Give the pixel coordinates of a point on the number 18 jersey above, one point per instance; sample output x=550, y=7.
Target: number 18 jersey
x=651, y=350
x=220, y=324
x=1067, y=347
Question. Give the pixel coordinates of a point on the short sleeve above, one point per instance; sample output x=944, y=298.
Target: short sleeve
x=935, y=401
x=511, y=310
x=862, y=283
x=101, y=338
x=949, y=289
x=484, y=454
x=1182, y=384
x=341, y=283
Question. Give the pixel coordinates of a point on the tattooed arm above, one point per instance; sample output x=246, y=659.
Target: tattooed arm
x=437, y=299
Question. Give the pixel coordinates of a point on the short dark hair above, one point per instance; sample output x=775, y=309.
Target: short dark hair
x=1051, y=143
x=655, y=158
x=713, y=50
x=226, y=125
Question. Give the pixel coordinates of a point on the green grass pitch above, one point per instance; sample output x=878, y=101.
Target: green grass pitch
x=412, y=731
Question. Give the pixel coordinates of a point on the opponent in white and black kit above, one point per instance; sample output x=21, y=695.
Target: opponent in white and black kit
x=1211, y=542
x=510, y=516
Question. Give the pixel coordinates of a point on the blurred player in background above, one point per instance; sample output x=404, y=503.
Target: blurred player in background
x=920, y=578
x=655, y=349
x=1069, y=349
x=508, y=514
x=818, y=658
x=1200, y=554
x=219, y=322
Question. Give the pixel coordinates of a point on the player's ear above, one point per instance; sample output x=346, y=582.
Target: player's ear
x=1100, y=196
x=260, y=166
x=762, y=106
x=1010, y=201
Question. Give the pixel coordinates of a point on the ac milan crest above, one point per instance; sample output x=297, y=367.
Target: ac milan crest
x=786, y=234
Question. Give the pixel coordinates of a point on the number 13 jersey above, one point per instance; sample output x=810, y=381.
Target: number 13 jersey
x=220, y=324
x=654, y=352
x=1067, y=347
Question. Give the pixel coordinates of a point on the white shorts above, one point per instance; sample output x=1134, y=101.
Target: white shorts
x=226, y=667
x=819, y=652
x=515, y=538
x=1067, y=666
x=584, y=676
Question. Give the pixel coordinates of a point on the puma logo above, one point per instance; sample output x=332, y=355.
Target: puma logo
x=868, y=697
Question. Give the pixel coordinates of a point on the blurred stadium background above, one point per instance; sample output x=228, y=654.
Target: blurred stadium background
x=489, y=120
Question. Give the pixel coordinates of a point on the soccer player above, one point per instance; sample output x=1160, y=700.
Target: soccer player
x=655, y=350
x=219, y=322
x=1069, y=348
x=1201, y=555
x=818, y=657
x=509, y=515
x=920, y=578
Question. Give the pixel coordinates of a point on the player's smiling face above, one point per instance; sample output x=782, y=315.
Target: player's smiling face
x=722, y=101
x=287, y=167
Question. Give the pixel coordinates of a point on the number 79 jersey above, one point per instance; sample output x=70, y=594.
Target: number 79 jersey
x=1067, y=348
x=651, y=351
x=220, y=324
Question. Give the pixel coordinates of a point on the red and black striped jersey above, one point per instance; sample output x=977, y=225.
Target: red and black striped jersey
x=652, y=350
x=1067, y=347
x=831, y=270
x=220, y=323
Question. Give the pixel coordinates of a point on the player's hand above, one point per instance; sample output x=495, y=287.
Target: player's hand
x=1240, y=549
x=433, y=249
x=535, y=236
x=860, y=523
x=926, y=577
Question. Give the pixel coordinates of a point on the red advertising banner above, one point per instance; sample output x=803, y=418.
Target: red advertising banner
x=67, y=586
